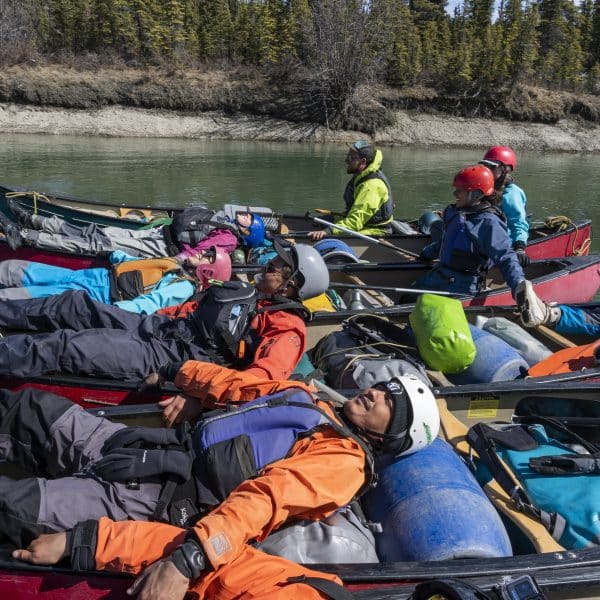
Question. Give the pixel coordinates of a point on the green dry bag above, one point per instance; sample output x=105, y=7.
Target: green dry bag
x=442, y=333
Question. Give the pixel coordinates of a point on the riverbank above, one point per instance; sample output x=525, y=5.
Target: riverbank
x=420, y=130
x=245, y=106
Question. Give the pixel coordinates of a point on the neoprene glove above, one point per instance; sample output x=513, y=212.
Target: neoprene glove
x=128, y=436
x=520, y=249
x=125, y=464
x=190, y=558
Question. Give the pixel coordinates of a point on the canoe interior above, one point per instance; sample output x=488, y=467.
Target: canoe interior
x=82, y=212
x=561, y=574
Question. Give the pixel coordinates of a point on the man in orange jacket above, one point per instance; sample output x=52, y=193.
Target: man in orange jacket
x=284, y=455
x=88, y=338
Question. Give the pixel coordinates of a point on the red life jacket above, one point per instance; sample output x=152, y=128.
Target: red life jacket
x=567, y=360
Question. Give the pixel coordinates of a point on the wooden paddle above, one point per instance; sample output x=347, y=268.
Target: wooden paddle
x=367, y=238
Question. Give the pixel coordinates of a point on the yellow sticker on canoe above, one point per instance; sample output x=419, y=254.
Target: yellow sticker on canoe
x=483, y=407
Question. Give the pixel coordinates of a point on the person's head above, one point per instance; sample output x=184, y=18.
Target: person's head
x=501, y=160
x=397, y=417
x=472, y=184
x=212, y=263
x=298, y=271
x=336, y=251
x=360, y=155
x=251, y=228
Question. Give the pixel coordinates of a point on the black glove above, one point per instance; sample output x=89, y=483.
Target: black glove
x=520, y=249
x=129, y=436
x=566, y=464
x=190, y=558
x=125, y=464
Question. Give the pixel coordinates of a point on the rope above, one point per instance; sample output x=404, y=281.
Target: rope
x=562, y=223
x=34, y=196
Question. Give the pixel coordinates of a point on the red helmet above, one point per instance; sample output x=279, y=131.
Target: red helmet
x=219, y=269
x=476, y=177
x=500, y=154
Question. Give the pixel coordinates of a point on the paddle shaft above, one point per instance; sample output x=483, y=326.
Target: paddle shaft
x=385, y=288
x=367, y=238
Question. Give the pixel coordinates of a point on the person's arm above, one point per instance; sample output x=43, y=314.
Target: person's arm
x=578, y=321
x=369, y=198
x=282, y=342
x=167, y=293
x=217, y=386
x=180, y=310
x=514, y=208
x=491, y=238
x=323, y=473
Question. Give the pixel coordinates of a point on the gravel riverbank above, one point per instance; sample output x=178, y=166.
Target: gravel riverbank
x=410, y=128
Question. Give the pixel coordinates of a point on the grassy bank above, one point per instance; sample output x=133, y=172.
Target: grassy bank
x=250, y=92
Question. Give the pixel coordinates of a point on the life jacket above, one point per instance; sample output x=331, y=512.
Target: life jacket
x=385, y=213
x=132, y=278
x=567, y=360
x=194, y=223
x=221, y=321
x=458, y=250
x=232, y=446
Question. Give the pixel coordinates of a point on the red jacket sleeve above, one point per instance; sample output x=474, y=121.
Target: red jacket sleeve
x=282, y=337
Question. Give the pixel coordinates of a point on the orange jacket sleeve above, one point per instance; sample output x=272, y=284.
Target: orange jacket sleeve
x=282, y=337
x=217, y=386
x=130, y=546
x=321, y=474
x=179, y=310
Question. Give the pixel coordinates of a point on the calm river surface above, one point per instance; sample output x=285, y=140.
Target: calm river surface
x=289, y=177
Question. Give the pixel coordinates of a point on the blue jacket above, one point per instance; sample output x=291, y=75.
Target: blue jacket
x=514, y=207
x=474, y=241
x=579, y=321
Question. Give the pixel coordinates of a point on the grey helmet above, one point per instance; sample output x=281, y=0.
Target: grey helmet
x=308, y=267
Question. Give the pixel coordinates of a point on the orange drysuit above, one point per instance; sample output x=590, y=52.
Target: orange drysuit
x=130, y=546
x=282, y=336
x=321, y=473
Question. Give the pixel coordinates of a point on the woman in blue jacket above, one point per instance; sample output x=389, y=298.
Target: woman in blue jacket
x=502, y=162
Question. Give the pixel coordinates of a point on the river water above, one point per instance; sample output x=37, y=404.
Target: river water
x=286, y=176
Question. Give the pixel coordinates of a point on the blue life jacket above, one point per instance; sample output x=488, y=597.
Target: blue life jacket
x=232, y=446
x=459, y=246
x=385, y=212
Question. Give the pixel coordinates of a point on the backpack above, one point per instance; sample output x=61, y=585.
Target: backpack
x=194, y=223
x=368, y=350
x=221, y=321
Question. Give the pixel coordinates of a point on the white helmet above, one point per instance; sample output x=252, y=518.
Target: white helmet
x=309, y=265
x=415, y=421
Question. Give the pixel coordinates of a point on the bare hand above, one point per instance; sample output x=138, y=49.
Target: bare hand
x=153, y=380
x=160, y=581
x=48, y=549
x=318, y=235
x=180, y=408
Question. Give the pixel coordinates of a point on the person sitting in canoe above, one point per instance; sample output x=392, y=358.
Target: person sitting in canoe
x=284, y=455
x=502, y=162
x=193, y=230
x=474, y=240
x=367, y=197
x=260, y=329
x=142, y=285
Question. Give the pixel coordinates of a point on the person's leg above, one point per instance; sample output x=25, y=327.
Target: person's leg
x=22, y=273
x=70, y=310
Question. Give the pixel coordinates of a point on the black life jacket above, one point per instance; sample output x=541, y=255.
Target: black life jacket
x=385, y=212
x=221, y=322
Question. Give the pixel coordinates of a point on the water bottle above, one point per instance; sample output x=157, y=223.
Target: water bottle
x=356, y=301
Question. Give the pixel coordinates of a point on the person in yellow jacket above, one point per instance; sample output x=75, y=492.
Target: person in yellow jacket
x=308, y=458
x=367, y=197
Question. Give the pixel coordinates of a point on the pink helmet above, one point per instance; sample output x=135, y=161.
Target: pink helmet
x=500, y=155
x=219, y=269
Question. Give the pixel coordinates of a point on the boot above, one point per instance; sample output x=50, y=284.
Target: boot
x=10, y=231
x=24, y=216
